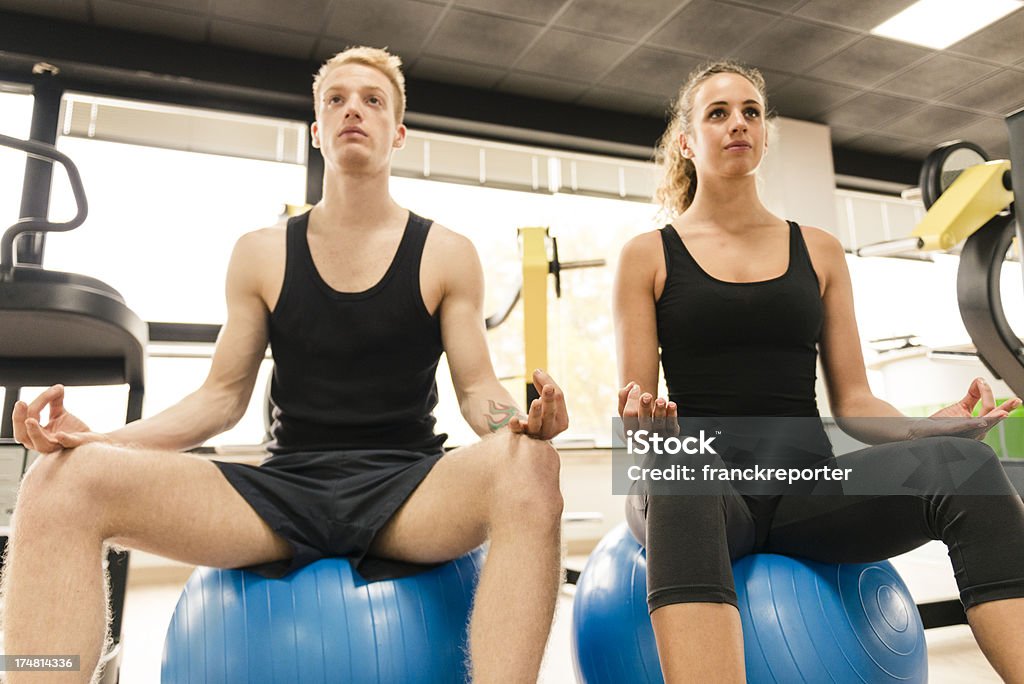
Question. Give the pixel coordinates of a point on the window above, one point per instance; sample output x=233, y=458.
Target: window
x=15, y=121
x=163, y=217
x=581, y=347
x=170, y=190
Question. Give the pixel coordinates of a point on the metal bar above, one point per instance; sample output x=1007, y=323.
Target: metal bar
x=35, y=193
x=942, y=613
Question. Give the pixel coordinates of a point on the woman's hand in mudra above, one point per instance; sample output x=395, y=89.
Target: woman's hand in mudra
x=958, y=419
x=641, y=411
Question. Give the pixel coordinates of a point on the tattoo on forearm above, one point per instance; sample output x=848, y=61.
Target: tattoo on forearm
x=499, y=415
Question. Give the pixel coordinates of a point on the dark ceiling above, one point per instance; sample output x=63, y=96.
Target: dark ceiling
x=890, y=100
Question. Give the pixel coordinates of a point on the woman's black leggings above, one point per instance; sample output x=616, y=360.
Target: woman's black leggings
x=691, y=540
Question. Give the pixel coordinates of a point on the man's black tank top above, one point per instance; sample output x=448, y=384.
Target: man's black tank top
x=354, y=370
x=739, y=349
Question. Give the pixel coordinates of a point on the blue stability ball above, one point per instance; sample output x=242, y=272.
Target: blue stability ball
x=321, y=624
x=802, y=621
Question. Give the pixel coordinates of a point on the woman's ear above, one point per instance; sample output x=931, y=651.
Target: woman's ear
x=684, y=146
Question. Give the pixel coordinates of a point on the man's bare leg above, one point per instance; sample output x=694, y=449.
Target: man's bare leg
x=74, y=501
x=506, y=489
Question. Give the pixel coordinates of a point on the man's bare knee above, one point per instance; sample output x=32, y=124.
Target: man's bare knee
x=527, y=492
x=64, y=488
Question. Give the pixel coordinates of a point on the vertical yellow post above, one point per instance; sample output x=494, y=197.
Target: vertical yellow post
x=535, y=304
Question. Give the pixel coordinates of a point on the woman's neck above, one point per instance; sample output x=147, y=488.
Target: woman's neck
x=730, y=204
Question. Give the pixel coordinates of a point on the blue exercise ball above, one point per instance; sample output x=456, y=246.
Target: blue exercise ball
x=320, y=624
x=802, y=621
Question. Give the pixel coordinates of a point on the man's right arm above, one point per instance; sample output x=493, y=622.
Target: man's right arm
x=223, y=397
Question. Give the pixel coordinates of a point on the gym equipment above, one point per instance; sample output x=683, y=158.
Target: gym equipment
x=323, y=623
x=971, y=200
x=802, y=621
x=534, y=288
x=66, y=328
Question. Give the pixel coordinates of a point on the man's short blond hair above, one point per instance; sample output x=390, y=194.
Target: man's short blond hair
x=383, y=61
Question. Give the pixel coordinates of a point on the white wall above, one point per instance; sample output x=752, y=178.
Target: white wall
x=797, y=178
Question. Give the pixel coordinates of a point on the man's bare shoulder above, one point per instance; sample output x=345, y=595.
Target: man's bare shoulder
x=258, y=261
x=269, y=239
x=445, y=247
x=448, y=243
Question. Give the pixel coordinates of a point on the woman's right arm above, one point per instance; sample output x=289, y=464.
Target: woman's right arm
x=633, y=301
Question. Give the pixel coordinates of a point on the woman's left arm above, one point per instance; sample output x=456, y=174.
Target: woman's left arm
x=850, y=396
x=841, y=356
x=842, y=360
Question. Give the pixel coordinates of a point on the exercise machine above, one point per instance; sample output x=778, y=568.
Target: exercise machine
x=64, y=328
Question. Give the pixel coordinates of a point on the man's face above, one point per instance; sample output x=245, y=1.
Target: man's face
x=355, y=127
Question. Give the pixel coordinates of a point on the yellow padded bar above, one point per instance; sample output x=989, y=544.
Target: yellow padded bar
x=968, y=203
x=535, y=300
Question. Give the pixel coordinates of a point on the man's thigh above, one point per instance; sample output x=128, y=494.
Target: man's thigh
x=172, y=504
x=447, y=515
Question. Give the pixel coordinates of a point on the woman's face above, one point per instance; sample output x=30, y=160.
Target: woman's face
x=727, y=135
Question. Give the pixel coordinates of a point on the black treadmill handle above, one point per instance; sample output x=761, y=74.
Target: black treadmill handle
x=46, y=152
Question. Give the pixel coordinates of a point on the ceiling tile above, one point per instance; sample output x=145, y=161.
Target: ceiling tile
x=70, y=10
x=459, y=73
x=862, y=15
x=193, y=6
x=991, y=134
x=882, y=144
x=629, y=20
x=869, y=61
x=152, y=20
x=328, y=46
x=480, y=38
x=933, y=123
x=791, y=45
x=260, y=39
x=533, y=85
x=533, y=10
x=624, y=101
x=572, y=55
x=841, y=135
x=804, y=99
x=869, y=110
x=400, y=25
x=936, y=76
x=1000, y=42
x=301, y=15
x=773, y=80
x=709, y=28
x=658, y=72
x=1000, y=151
x=775, y=5
x=1000, y=94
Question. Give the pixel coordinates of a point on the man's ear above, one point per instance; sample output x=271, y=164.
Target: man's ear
x=400, y=133
x=314, y=134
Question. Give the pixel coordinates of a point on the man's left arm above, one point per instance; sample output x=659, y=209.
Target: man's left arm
x=485, y=403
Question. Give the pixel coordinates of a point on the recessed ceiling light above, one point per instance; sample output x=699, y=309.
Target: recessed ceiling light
x=940, y=23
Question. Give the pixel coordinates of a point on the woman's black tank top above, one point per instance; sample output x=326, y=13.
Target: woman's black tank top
x=739, y=349
x=354, y=370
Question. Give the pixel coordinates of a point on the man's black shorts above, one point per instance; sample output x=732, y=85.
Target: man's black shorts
x=331, y=503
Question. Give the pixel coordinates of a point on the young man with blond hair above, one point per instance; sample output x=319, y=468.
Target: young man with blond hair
x=358, y=299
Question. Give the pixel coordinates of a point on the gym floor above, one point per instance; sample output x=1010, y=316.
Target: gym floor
x=154, y=588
